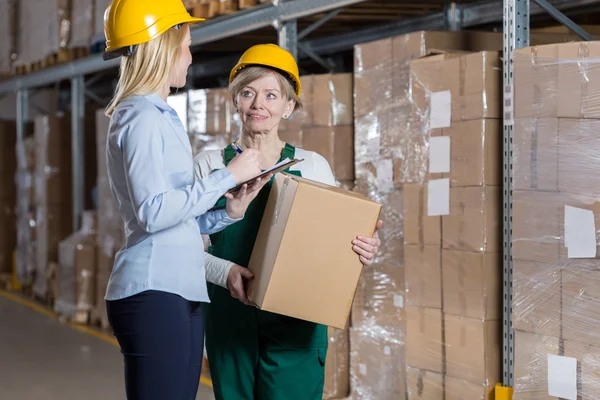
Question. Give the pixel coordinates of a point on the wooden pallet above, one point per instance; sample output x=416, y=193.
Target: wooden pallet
x=59, y=57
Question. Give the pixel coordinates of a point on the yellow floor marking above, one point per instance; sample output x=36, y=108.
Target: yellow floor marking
x=81, y=328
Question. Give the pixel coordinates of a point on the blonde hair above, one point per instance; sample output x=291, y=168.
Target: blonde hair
x=249, y=74
x=146, y=71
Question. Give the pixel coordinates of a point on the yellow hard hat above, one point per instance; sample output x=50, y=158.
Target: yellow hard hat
x=272, y=56
x=131, y=22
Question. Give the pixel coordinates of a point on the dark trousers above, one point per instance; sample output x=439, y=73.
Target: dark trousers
x=162, y=339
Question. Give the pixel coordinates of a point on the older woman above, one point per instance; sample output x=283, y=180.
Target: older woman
x=255, y=354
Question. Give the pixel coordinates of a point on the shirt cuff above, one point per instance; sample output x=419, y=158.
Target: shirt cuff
x=224, y=218
x=224, y=179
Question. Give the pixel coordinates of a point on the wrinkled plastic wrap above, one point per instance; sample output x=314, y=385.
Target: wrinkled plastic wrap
x=337, y=365
x=8, y=35
x=82, y=17
x=53, y=177
x=100, y=7
x=556, y=214
x=45, y=27
x=211, y=119
x=8, y=166
x=110, y=235
x=76, y=274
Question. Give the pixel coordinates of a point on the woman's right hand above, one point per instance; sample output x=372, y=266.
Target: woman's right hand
x=245, y=166
x=236, y=283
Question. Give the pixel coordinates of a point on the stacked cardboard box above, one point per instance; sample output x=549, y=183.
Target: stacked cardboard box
x=53, y=198
x=8, y=167
x=211, y=119
x=325, y=123
x=100, y=7
x=8, y=30
x=110, y=234
x=76, y=272
x=453, y=257
x=556, y=214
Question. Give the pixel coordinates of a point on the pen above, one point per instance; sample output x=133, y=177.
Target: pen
x=237, y=148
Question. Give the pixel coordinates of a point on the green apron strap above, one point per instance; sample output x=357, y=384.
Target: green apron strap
x=228, y=154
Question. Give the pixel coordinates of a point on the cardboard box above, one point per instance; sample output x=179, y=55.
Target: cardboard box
x=536, y=81
x=336, y=144
x=472, y=284
x=419, y=228
x=476, y=156
x=319, y=285
x=577, y=170
x=424, y=343
x=424, y=385
x=584, y=202
x=379, y=299
x=475, y=220
x=337, y=365
x=292, y=136
x=378, y=368
x=578, y=80
x=580, y=299
x=423, y=266
x=332, y=103
x=473, y=350
x=535, y=154
x=531, y=365
x=537, y=297
x=536, y=226
x=459, y=389
x=303, y=116
x=588, y=373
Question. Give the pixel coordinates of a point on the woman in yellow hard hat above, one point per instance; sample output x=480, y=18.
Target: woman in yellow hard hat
x=159, y=278
x=255, y=354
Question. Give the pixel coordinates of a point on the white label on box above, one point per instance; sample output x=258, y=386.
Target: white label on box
x=440, y=114
x=399, y=301
x=439, y=154
x=580, y=233
x=387, y=351
x=385, y=175
x=438, y=197
x=562, y=377
x=362, y=368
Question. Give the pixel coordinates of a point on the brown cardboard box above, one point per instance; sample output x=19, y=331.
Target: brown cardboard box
x=537, y=297
x=337, y=365
x=578, y=171
x=379, y=298
x=536, y=226
x=475, y=220
x=319, y=285
x=472, y=284
x=292, y=136
x=536, y=81
x=424, y=344
x=578, y=80
x=336, y=144
x=302, y=116
x=531, y=365
x=459, y=389
x=424, y=385
x=580, y=299
x=535, y=154
x=372, y=76
x=588, y=368
x=332, y=103
x=377, y=366
x=473, y=350
x=476, y=153
x=423, y=276
x=419, y=228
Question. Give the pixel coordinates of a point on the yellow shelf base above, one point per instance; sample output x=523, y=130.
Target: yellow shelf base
x=503, y=392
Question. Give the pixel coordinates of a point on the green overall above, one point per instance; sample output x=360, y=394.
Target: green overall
x=255, y=354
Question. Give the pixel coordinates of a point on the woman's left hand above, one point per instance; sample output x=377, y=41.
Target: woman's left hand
x=238, y=202
x=365, y=247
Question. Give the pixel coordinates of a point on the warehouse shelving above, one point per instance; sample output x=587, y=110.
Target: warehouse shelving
x=283, y=17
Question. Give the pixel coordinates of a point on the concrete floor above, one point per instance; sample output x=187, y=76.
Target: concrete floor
x=42, y=359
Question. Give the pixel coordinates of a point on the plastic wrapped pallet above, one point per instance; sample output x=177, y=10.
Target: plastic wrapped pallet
x=556, y=213
x=100, y=7
x=76, y=275
x=44, y=29
x=110, y=235
x=337, y=365
x=211, y=119
x=452, y=200
x=82, y=17
x=52, y=193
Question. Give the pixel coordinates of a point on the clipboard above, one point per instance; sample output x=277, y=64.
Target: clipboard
x=279, y=167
